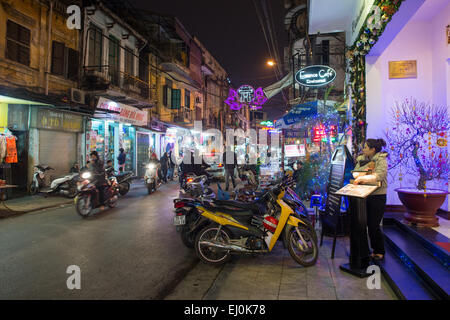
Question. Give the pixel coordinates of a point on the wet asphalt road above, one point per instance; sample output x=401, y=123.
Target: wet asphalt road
x=129, y=252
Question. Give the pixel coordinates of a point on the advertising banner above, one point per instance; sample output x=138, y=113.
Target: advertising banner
x=121, y=112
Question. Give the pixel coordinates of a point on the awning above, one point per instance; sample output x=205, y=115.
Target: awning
x=301, y=112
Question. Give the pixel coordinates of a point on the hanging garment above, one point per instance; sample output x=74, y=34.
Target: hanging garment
x=2, y=148
x=11, y=150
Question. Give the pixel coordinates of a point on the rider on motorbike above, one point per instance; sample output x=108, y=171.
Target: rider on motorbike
x=97, y=170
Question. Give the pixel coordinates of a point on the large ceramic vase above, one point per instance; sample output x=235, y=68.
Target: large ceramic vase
x=421, y=207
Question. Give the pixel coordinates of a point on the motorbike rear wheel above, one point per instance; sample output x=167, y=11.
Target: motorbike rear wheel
x=188, y=238
x=33, y=189
x=83, y=205
x=213, y=256
x=308, y=255
x=124, y=187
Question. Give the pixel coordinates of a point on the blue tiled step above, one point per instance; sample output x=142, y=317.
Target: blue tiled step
x=419, y=259
x=404, y=282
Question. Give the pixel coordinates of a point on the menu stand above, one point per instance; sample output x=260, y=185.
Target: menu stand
x=359, y=259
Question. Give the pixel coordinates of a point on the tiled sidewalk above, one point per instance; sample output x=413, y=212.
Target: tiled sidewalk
x=30, y=204
x=276, y=276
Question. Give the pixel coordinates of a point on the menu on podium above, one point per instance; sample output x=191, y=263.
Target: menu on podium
x=354, y=190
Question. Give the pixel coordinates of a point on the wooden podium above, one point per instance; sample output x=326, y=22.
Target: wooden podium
x=359, y=246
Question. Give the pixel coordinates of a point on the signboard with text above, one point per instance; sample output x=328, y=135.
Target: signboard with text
x=56, y=120
x=122, y=112
x=294, y=150
x=315, y=76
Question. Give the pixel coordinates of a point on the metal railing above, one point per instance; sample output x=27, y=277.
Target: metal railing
x=110, y=76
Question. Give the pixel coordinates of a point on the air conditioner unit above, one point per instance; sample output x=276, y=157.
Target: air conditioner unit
x=77, y=96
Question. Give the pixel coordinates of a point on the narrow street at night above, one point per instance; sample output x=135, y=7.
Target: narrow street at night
x=129, y=252
x=227, y=158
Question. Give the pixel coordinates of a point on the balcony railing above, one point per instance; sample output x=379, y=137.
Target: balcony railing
x=183, y=116
x=107, y=77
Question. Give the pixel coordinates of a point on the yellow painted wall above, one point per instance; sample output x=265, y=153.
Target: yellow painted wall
x=3, y=116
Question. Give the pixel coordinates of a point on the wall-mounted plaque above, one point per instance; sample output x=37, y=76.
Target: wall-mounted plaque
x=402, y=69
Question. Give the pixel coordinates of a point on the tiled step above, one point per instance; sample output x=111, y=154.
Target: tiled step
x=418, y=258
x=404, y=282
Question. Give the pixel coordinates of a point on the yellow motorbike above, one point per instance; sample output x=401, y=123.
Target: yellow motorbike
x=245, y=232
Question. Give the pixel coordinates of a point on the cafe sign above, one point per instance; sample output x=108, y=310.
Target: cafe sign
x=315, y=76
x=121, y=112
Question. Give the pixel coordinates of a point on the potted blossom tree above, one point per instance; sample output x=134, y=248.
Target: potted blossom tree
x=417, y=142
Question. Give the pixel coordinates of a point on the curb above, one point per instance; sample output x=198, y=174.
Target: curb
x=6, y=212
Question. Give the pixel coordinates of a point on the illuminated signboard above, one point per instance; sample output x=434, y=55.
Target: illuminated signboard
x=315, y=76
x=294, y=150
x=246, y=95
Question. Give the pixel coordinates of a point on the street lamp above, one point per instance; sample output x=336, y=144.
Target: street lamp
x=270, y=63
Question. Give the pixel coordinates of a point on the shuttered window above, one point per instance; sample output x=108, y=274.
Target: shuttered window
x=176, y=99
x=58, y=54
x=187, y=98
x=95, y=47
x=18, y=43
x=64, y=61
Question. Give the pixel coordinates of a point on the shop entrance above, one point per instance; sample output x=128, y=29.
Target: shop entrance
x=58, y=150
x=20, y=169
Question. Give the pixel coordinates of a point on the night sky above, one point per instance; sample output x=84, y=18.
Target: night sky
x=231, y=31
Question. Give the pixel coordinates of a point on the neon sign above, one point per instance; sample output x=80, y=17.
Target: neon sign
x=246, y=95
x=315, y=76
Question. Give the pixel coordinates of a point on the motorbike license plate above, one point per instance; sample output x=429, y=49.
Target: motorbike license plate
x=179, y=220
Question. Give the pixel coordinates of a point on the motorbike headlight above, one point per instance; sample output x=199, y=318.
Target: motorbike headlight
x=86, y=175
x=151, y=166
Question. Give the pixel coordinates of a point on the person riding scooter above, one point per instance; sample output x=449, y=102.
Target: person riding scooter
x=97, y=170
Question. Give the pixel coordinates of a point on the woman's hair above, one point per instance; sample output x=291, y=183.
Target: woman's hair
x=378, y=144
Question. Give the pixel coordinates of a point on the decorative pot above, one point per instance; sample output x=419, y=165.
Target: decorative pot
x=421, y=207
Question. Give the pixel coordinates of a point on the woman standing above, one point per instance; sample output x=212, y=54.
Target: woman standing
x=374, y=160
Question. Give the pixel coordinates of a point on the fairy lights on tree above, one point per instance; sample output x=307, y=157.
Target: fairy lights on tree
x=417, y=141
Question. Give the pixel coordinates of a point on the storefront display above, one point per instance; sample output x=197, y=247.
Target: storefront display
x=107, y=137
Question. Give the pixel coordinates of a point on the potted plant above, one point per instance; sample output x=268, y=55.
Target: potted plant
x=417, y=142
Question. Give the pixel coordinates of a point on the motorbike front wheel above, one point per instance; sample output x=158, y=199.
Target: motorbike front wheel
x=83, y=205
x=124, y=187
x=303, y=251
x=211, y=255
x=150, y=188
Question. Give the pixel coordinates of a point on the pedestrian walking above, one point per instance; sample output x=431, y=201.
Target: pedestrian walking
x=230, y=161
x=164, y=166
x=122, y=159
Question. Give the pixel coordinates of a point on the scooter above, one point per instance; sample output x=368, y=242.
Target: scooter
x=151, y=177
x=196, y=186
x=88, y=197
x=231, y=231
x=123, y=179
x=65, y=186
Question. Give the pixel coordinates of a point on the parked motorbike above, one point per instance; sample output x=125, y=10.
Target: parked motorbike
x=189, y=221
x=123, y=179
x=65, y=185
x=231, y=231
x=151, y=177
x=196, y=186
x=88, y=197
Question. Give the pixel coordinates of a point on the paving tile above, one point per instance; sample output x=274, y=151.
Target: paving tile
x=292, y=297
x=293, y=289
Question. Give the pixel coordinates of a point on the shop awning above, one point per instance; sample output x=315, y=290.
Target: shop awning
x=301, y=112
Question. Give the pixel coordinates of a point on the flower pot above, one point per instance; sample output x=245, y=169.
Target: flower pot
x=421, y=207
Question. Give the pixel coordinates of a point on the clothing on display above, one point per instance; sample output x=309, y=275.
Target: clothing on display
x=8, y=148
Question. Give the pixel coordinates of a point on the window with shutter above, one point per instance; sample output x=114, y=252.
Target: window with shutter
x=58, y=50
x=73, y=63
x=18, y=43
x=176, y=99
x=95, y=48
x=187, y=98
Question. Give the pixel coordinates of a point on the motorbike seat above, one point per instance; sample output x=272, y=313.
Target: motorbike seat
x=237, y=204
x=230, y=211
